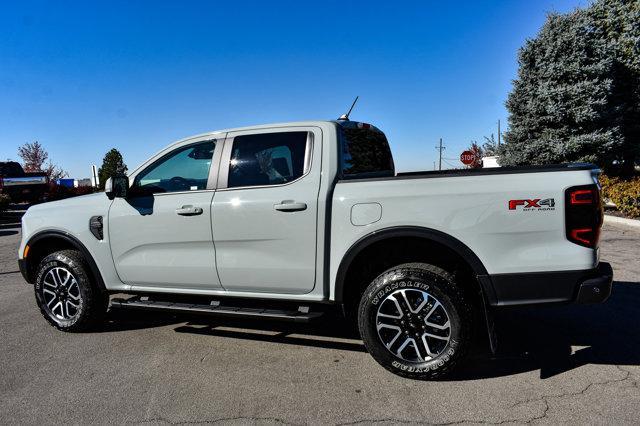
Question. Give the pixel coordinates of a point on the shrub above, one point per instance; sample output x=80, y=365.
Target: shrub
x=624, y=193
x=4, y=202
x=59, y=192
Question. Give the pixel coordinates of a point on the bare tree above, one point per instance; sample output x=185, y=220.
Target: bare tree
x=34, y=157
x=54, y=172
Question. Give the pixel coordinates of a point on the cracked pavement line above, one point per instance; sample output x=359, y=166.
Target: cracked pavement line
x=214, y=421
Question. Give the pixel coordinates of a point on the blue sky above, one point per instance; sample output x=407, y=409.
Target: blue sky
x=82, y=77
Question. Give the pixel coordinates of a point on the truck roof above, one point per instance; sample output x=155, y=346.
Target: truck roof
x=259, y=126
x=213, y=133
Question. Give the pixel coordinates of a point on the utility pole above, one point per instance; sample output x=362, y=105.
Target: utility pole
x=440, y=148
x=498, y=133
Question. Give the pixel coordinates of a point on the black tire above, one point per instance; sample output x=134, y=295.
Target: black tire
x=80, y=289
x=441, y=287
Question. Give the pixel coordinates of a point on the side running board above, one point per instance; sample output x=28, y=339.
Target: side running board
x=302, y=314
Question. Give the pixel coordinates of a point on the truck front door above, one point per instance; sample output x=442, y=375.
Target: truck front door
x=160, y=235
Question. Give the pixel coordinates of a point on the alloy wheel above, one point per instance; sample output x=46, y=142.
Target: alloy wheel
x=413, y=325
x=61, y=294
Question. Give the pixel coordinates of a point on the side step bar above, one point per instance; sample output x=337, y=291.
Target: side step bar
x=303, y=313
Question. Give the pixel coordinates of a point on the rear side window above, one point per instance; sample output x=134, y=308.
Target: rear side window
x=267, y=159
x=365, y=151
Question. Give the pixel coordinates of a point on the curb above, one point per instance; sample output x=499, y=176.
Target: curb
x=622, y=221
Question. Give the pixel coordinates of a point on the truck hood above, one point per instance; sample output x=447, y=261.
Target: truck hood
x=89, y=201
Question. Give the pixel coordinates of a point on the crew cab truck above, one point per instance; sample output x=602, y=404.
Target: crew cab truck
x=278, y=221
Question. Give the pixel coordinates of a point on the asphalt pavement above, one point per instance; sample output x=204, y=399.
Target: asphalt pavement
x=561, y=364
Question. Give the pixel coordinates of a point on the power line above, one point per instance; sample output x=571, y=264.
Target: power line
x=450, y=165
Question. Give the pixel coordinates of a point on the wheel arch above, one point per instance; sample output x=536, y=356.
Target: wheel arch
x=475, y=267
x=46, y=242
x=427, y=234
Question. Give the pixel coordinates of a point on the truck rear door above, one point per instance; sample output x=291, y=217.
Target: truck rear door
x=265, y=210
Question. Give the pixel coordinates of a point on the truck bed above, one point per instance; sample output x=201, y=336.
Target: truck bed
x=483, y=171
x=472, y=206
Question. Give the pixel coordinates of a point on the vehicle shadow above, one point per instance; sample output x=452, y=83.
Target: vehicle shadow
x=126, y=320
x=329, y=331
x=541, y=338
x=529, y=338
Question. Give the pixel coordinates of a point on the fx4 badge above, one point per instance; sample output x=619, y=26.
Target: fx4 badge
x=536, y=204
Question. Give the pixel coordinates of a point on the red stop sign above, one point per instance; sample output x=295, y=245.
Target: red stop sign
x=467, y=157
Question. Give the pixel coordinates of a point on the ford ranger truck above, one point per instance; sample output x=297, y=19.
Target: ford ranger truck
x=282, y=221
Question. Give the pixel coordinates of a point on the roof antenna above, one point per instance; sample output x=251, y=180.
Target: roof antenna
x=345, y=117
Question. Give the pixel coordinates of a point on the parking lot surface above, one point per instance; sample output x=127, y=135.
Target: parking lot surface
x=560, y=364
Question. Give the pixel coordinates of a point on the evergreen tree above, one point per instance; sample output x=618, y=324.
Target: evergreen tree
x=112, y=165
x=490, y=146
x=576, y=95
x=617, y=22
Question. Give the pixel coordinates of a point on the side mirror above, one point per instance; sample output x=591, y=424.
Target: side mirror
x=117, y=186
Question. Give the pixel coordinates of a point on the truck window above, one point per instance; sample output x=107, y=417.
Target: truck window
x=267, y=159
x=365, y=151
x=185, y=169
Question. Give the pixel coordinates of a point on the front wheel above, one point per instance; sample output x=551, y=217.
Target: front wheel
x=66, y=295
x=414, y=321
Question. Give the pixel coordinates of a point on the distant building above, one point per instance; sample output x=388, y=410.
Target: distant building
x=74, y=183
x=490, y=161
x=69, y=183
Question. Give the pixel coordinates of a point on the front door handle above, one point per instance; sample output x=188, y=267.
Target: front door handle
x=290, y=206
x=189, y=211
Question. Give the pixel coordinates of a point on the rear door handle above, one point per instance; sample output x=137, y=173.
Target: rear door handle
x=290, y=206
x=189, y=211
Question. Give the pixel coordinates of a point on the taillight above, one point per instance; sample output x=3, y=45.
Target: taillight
x=583, y=214
x=582, y=196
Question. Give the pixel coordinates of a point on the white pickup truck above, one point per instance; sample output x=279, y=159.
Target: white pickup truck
x=279, y=221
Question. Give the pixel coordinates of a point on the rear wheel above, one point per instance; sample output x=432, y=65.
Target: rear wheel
x=65, y=293
x=414, y=321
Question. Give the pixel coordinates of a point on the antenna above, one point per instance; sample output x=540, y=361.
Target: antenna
x=345, y=117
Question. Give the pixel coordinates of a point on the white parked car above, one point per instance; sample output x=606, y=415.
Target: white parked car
x=279, y=221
